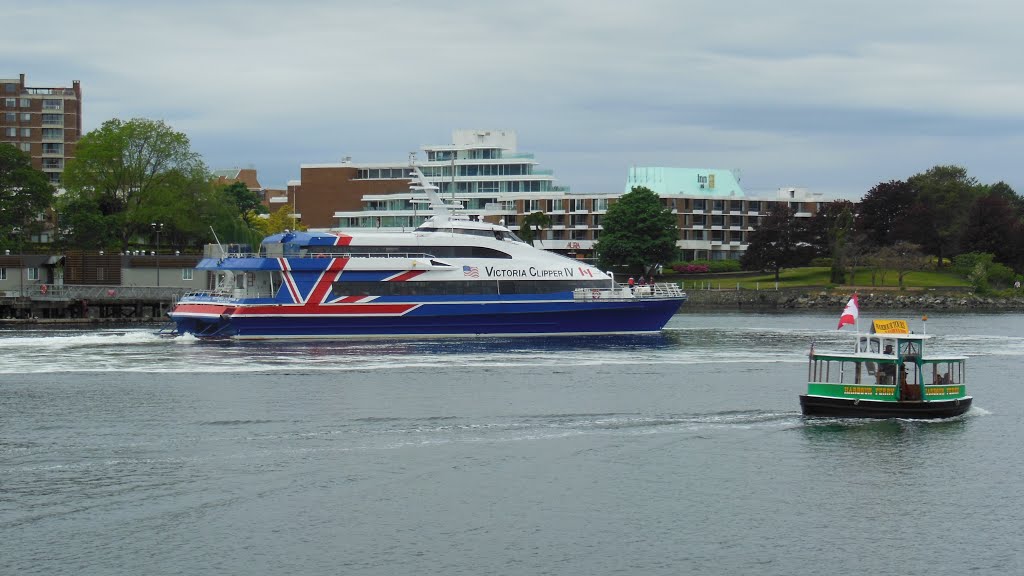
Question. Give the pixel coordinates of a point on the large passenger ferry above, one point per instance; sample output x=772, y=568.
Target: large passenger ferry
x=451, y=276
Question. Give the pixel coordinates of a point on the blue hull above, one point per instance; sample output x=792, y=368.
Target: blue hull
x=511, y=318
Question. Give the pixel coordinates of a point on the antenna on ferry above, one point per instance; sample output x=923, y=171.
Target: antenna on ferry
x=419, y=182
x=223, y=253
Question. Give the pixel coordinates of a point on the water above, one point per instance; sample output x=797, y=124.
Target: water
x=124, y=453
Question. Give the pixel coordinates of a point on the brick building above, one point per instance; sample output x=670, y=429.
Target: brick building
x=45, y=123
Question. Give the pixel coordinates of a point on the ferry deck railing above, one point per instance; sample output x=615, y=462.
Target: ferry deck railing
x=621, y=292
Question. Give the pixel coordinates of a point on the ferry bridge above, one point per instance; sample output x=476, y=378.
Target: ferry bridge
x=82, y=301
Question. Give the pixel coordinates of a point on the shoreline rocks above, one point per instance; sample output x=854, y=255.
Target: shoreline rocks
x=805, y=299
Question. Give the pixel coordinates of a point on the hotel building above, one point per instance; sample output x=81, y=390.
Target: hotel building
x=45, y=123
x=490, y=178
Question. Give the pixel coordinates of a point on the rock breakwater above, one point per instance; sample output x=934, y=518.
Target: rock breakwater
x=800, y=299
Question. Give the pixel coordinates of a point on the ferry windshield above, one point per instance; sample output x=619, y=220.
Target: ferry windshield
x=496, y=233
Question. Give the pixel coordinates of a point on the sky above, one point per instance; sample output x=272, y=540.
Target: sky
x=832, y=96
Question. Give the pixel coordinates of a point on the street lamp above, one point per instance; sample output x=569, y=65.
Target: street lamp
x=157, y=227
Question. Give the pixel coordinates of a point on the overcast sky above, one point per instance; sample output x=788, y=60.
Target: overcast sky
x=833, y=96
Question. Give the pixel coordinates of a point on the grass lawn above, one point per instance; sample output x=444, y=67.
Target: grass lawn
x=819, y=277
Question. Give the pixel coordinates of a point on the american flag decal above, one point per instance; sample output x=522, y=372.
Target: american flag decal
x=471, y=271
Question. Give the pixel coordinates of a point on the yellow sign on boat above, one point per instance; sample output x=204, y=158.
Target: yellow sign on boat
x=890, y=327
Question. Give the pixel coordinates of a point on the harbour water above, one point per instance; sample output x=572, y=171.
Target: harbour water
x=680, y=453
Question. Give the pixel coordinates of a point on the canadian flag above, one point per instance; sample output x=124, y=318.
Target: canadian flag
x=850, y=313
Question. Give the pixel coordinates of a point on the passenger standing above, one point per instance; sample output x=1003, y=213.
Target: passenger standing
x=631, y=282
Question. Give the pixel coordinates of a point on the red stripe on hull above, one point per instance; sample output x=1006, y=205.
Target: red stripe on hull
x=203, y=309
x=407, y=276
x=327, y=310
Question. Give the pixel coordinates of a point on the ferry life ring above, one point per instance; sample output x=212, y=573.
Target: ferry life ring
x=595, y=293
x=43, y=288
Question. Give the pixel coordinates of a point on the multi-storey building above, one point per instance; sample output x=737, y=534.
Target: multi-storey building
x=45, y=123
x=484, y=172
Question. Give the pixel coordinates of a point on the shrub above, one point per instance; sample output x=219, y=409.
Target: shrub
x=706, y=266
x=690, y=268
x=821, y=262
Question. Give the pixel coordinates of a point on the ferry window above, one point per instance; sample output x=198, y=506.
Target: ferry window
x=186, y=273
x=3, y=273
x=33, y=274
x=908, y=348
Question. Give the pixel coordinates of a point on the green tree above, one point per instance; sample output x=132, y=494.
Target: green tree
x=143, y=171
x=245, y=200
x=25, y=193
x=83, y=224
x=532, y=225
x=939, y=218
x=276, y=222
x=778, y=242
x=638, y=232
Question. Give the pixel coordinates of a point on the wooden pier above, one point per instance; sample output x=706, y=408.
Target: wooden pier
x=84, y=302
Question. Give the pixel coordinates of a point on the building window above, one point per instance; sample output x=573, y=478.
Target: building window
x=10, y=87
x=26, y=132
x=579, y=205
x=26, y=117
x=26, y=103
x=12, y=132
x=53, y=134
x=10, y=116
x=25, y=146
x=53, y=119
x=557, y=206
x=186, y=273
x=698, y=204
x=53, y=148
x=33, y=273
x=10, y=102
x=600, y=204
x=51, y=104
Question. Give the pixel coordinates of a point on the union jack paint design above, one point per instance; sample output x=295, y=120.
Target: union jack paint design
x=319, y=285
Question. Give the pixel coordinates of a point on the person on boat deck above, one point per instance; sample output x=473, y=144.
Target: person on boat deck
x=887, y=374
x=888, y=349
x=642, y=281
x=631, y=283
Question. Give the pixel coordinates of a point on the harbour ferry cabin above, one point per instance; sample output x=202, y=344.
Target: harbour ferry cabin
x=887, y=375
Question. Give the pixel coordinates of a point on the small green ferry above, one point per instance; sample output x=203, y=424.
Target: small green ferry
x=887, y=375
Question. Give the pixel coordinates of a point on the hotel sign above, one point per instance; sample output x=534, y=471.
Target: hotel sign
x=706, y=181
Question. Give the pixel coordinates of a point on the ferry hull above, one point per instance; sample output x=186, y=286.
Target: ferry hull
x=859, y=408
x=430, y=320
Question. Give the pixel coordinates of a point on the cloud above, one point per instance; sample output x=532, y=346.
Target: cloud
x=837, y=96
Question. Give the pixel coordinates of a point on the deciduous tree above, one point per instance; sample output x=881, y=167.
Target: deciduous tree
x=944, y=196
x=777, y=242
x=143, y=171
x=25, y=194
x=532, y=225
x=638, y=232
